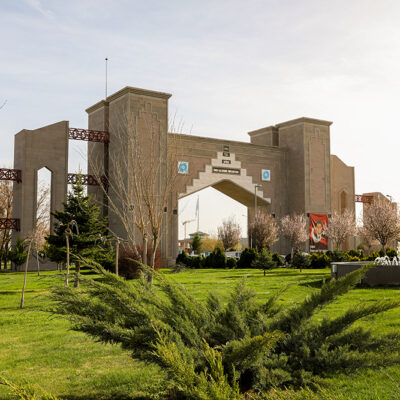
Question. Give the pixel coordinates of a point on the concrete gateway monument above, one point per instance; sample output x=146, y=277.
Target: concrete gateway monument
x=288, y=166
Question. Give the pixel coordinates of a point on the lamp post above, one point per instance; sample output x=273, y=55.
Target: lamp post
x=256, y=186
x=255, y=198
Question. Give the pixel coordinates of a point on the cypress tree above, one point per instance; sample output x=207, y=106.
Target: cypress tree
x=87, y=243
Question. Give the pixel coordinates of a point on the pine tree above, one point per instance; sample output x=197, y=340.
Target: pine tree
x=92, y=229
x=196, y=244
x=263, y=260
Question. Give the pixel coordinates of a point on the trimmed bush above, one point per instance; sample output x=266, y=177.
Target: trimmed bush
x=196, y=262
x=301, y=260
x=319, y=260
x=355, y=253
x=183, y=258
x=216, y=259
x=338, y=256
x=278, y=259
x=389, y=252
x=231, y=263
x=373, y=255
x=246, y=258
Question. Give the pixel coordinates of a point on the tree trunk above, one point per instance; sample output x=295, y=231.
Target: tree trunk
x=67, y=274
x=384, y=249
x=152, y=260
x=144, y=250
x=77, y=273
x=291, y=254
x=26, y=273
x=117, y=258
x=37, y=261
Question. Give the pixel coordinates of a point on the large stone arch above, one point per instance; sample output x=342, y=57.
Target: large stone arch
x=231, y=180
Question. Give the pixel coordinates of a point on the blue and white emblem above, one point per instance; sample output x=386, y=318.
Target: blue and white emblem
x=265, y=175
x=183, y=167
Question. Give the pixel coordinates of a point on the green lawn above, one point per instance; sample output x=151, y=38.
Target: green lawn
x=39, y=351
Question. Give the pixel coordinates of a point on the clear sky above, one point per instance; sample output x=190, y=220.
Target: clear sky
x=232, y=67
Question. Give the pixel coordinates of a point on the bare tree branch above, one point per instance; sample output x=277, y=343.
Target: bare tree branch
x=229, y=233
x=142, y=180
x=381, y=221
x=340, y=227
x=263, y=230
x=294, y=229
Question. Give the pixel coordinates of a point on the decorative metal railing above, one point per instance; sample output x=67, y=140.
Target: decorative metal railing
x=361, y=198
x=9, y=223
x=88, y=135
x=7, y=174
x=87, y=179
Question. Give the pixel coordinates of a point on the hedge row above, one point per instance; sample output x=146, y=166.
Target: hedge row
x=217, y=259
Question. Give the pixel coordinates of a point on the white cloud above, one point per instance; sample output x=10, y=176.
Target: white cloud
x=38, y=6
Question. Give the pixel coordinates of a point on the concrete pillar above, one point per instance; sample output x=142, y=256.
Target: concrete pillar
x=126, y=114
x=33, y=150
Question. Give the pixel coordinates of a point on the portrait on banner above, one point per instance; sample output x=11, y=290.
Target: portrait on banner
x=317, y=227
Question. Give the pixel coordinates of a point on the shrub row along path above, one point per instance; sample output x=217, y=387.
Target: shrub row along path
x=39, y=351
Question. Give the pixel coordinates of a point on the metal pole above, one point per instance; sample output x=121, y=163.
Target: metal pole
x=106, y=60
x=198, y=214
x=255, y=201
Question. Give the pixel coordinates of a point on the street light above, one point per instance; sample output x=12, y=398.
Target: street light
x=256, y=186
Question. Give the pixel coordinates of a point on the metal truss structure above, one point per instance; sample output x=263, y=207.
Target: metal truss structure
x=88, y=135
x=87, y=180
x=360, y=198
x=7, y=174
x=9, y=223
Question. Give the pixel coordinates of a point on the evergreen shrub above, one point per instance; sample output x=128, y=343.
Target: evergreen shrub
x=278, y=259
x=196, y=262
x=338, y=256
x=231, y=263
x=319, y=260
x=246, y=258
x=18, y=252
x=389, y=252
x=221, y=349
x=183, y=258
x=216, y=259
x=355, y=253
x=373, y=255
x=301, y=260
x=263, y=260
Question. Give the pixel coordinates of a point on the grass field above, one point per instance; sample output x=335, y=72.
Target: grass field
x=41, y=352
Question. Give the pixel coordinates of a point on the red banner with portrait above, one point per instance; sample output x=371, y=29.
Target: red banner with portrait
x=318, y=238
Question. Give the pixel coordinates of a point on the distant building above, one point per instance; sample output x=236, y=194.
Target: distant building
x=185, y=244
